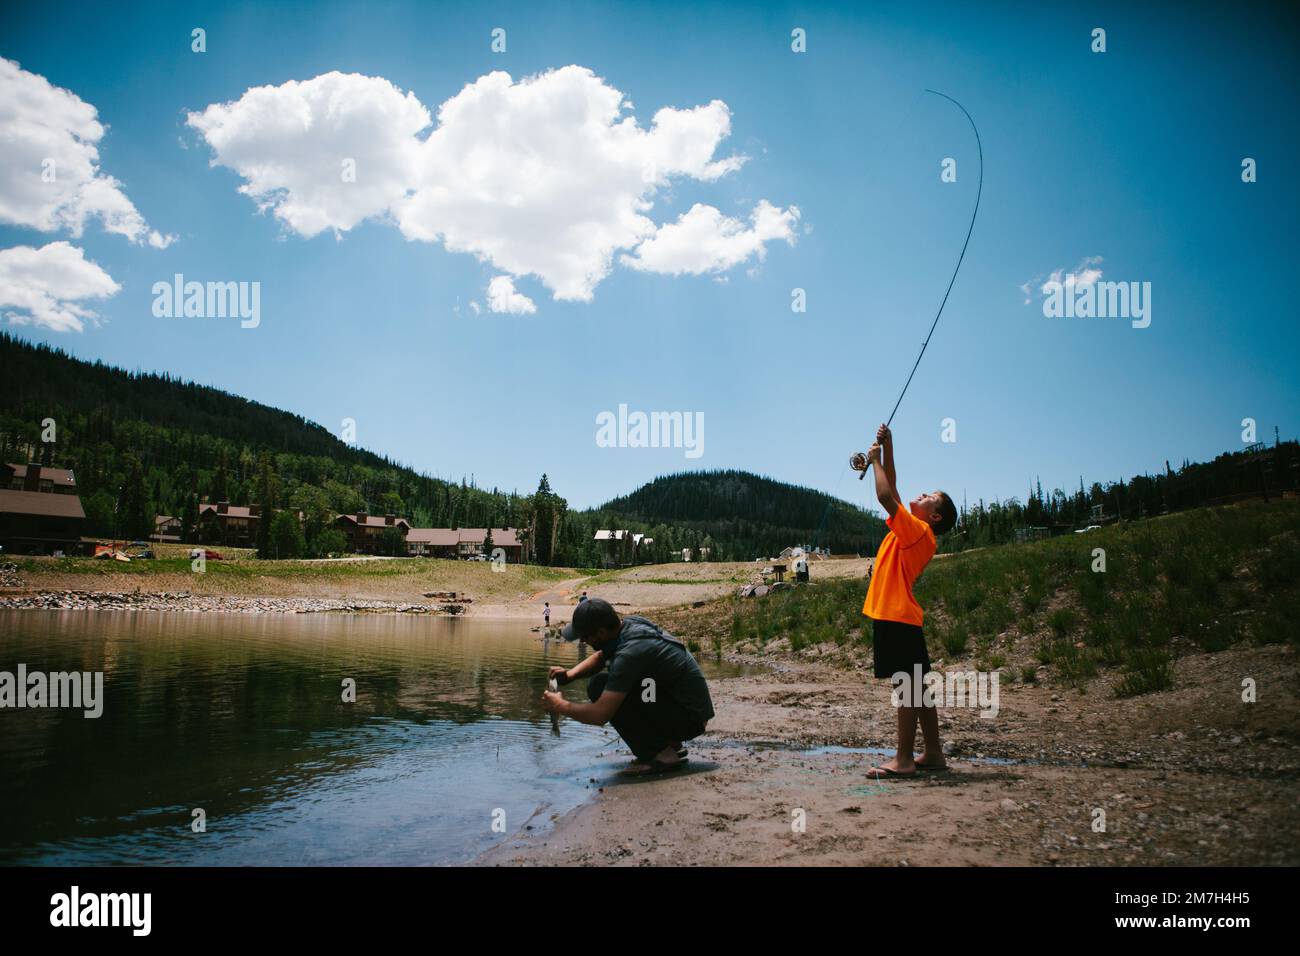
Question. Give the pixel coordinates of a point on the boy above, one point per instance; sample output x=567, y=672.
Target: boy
x=896, y=617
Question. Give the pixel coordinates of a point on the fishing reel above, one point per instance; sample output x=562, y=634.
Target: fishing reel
x=858, y=462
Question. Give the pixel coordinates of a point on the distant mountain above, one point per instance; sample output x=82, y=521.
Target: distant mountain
x=748, y=514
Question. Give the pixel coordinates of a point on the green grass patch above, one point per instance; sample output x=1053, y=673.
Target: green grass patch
x=1211, y=577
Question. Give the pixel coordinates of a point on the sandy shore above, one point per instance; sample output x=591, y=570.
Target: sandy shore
x=416, y=586
x=1188, y=776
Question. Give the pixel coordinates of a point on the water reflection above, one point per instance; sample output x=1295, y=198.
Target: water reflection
x=243, y=716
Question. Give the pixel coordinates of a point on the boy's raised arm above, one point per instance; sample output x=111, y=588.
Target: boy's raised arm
x=884, y=490
x=885, y=438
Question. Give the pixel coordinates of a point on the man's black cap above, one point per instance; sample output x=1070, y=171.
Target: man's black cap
x=588, y=617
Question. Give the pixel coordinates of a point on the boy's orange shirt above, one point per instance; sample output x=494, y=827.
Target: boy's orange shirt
x=903, y=555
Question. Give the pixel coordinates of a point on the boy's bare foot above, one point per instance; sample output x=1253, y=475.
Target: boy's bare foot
x=892, y=768
x=926, y=762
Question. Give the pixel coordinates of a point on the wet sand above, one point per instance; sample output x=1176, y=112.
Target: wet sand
x=1189, y=776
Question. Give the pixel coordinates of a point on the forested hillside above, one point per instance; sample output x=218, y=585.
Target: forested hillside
x=143, y=444
x=746, y=515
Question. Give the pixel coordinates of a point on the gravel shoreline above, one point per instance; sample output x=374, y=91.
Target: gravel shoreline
x=201, y=603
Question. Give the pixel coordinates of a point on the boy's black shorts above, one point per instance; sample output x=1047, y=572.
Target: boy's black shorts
x=898, y=647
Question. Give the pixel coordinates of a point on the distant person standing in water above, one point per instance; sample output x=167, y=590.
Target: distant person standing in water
x=583, y=598
x=546, y=614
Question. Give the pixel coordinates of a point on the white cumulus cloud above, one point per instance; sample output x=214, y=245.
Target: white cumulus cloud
x=50, y=179
x=326, y=153
x=704, y=240
x=49, y=286
x=502, y=297
x=548, y=176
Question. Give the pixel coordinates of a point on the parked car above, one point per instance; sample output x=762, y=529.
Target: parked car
x=205, y=554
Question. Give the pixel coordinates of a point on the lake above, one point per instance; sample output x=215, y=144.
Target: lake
x=242, y=716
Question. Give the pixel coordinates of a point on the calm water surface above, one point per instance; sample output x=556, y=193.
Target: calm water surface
x=242, y=715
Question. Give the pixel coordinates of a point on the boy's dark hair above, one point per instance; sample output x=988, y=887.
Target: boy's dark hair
x=947, y=515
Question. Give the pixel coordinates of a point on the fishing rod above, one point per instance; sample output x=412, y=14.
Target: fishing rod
x=554, y=687
x=858, y=461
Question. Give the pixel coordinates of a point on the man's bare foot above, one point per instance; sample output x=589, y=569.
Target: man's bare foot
x=668, y=754
x=666, y=759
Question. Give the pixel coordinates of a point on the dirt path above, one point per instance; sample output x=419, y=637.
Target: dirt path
x=1189, y=776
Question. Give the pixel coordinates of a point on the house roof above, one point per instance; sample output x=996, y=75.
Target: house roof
x=445, y=537
x=449, y=537
x=233, y=511
x=40, y=503
x=60, y=476
x=376, y=521
x=501, y=537
x=610, y=535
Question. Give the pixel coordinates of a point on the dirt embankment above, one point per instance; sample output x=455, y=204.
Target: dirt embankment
x=1188, y=776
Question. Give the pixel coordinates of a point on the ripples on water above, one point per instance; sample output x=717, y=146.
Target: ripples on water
x=242, y=715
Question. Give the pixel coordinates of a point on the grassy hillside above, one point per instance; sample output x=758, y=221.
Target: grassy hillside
x=1199, y=581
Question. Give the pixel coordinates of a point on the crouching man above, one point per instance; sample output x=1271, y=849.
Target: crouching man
x=653, y=692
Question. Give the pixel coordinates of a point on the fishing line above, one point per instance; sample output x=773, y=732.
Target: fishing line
x=979, y=192
x=975, y=212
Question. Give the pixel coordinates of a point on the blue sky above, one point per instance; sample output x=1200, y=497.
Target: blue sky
x=1132, y=155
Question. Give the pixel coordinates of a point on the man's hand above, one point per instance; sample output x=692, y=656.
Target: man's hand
x=884, y=436
x=560, y=675
x=553, y=702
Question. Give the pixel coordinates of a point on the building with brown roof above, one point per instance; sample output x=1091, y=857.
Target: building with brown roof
x=433, y=542
x=37, y=478
x=166, y=528
x=464, y=543
x=231, y=525
x=473, y=541
x=40, y=511
x=363, y=531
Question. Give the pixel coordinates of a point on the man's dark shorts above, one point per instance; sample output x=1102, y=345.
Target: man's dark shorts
x=648, y=728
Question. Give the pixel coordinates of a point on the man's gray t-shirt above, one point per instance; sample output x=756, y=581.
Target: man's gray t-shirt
x=643, y=649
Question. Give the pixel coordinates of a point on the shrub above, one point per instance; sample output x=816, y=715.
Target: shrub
x=955, y=639
x=1062, y=621
x=1149, y=670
